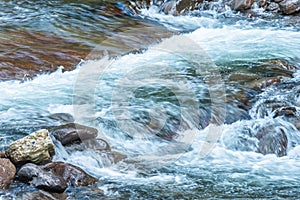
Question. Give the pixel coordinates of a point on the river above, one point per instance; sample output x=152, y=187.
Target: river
x=180, y=96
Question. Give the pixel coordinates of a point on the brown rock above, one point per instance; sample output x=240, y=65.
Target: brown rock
x=2, y=155
x=289, y=6
x=73, y=175
x=72, y=132
x=41, y=179
x=269, y=82
x=262, y=3
x=37, y=148
x=7, y=173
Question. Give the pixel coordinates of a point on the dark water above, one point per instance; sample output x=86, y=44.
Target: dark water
x=184, y=110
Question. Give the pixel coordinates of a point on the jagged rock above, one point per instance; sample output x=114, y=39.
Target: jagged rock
x=7, y=173
x=242, y=5
x=37, y=148
x=72, y=132
x=73, y=175
x=272, y=140
x=289, y=6
x=41, y=179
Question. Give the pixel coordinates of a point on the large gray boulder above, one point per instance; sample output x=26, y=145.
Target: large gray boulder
x=36, y=148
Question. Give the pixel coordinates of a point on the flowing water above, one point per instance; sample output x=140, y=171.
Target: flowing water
x=185, y=111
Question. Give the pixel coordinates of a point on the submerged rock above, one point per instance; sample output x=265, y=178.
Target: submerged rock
x=97, y=144
x=272, y=140
x=37, y=148
x=73, y=175
x=41, y=195
x=7, y=173
x=61, y=117
x=70, y=133
x=289, y=114
x=289, y=6
x=274, y=7
x=41, y=179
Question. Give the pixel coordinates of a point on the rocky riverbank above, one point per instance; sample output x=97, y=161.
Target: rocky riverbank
x=29, y=159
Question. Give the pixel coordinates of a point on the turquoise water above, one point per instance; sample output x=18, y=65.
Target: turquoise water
x=190, y=87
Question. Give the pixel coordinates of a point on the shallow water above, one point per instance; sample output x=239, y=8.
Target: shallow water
x=184, y=111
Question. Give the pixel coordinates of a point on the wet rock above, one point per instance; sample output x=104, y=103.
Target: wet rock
x=41, y=179
x=71, y=133
x=242, y=5
x=272, y=140
x=97, y=144
x=289, y=114
x=262, y=84
x=41, y=195
x=62, y=117
x=24, y=55
x=289, y=6
x=185, y=6
x=7, y=173
x=116, y=156
x=74, y=176
x=262, y=3
x=37, y=148
x=274, y=7
x=2, y=155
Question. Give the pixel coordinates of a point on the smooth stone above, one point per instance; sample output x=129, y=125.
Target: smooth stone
x=71, y=133
x=7, y=173
x=37, y=148
x=73, y=175
x=41, y=179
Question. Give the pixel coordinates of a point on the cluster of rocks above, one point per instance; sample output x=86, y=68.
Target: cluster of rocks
x=181, y=7
x=286, y=7
x=29, y=159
